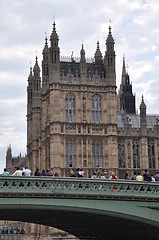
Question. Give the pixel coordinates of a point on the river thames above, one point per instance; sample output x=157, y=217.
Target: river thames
x=35, y=237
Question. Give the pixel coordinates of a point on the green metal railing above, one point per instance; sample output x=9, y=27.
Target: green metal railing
x=77, y=188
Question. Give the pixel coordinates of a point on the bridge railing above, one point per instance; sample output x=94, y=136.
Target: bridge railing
x=77, y=188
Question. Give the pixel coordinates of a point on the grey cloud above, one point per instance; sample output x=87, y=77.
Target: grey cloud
x=23, y=25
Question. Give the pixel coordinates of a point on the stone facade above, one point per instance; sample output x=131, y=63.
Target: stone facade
x=76, y=119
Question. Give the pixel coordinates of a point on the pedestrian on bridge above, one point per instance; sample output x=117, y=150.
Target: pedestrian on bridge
x=17, y=172
x=37, y=172
x=139, y=177
x=113, y=176
x=157, y=177
x=5, y=172
x=127, y=177
x=27, y=172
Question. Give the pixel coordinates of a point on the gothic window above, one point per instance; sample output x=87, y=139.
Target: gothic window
x=151, y=155
x=97, y=154
x=96, y=109
x=70, y=108
x=121, y=156
x=136, y=158
x=70, y=154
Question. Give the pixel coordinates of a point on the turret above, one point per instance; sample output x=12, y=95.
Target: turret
x=45, y=64
x=143, y=132
x=29, y=88
x=143, y=123
x=82, y=62
x=98, y=55
x=36, y=68
x=55, y=51
x=110, y=60
x=127, y=99
x=9, y=158
x=36, y=82
x=123, y=76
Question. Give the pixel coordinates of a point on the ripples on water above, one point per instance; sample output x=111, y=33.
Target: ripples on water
x=32, y=237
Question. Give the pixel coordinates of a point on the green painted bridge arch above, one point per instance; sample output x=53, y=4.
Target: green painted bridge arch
x=86, y=208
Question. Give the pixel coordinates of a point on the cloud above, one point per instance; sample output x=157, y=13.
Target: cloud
x=23, y=25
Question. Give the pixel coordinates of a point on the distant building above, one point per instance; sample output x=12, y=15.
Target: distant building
x=16, y=161
x=76, y=119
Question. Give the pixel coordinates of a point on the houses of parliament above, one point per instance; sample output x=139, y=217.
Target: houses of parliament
x=77, y=119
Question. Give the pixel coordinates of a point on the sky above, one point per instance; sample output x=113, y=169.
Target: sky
x=24, y=25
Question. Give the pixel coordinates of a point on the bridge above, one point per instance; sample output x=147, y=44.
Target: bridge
x=86, y=208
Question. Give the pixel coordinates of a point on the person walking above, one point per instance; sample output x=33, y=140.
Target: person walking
x=37, y=172
x=27, y=172
x=157, y=177
x=5, y=172
x=134, y=176
x=139, y=177
x=18, y=172
x=127, y=177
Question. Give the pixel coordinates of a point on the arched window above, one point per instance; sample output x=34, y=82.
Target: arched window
x=97, y=154
x=96, y=109
x=70, y=108
x=136, y=154
x=121, y=156
x=70, y=154
x=151, y=155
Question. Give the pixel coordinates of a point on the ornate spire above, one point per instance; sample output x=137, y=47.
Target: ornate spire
x=31, y=72
x=82, y=50
x=45, y=50
x=143, y=121
x=82, y=61
x=82, y=53
x=36, y=68
x=142, y=102
x=54, y=35
x=55, y=50
x=124, y=66
x=46, y=42
x=98, y=54
x=109, y=60
x=110, y=38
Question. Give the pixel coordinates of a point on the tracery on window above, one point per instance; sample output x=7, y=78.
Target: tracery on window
x=121, y=156
x=136, y=155
x=97, y=154
x=70, y=154
x=151, y=155
x=96, y=109
x=70, y=108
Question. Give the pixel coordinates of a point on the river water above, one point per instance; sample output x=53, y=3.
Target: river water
x=34, y=237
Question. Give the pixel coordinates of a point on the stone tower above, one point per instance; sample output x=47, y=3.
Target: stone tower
x=72, y=117
x=126, y=97
x=34, y=117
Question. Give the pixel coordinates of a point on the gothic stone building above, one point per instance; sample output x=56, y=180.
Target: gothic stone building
x=76, y=119
x=14, y=161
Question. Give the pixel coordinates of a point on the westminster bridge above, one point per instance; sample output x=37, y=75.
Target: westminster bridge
x=86, y=208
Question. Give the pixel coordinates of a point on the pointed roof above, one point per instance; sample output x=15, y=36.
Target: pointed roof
x=54, y=33
x=98, y=54
x=127, y=79
x=36, y=66
x=82, y=50
x=110, y=39
x=46, y=46
x=142, y=105
x=123, y=76
x=124, y=67
x=30, y=74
